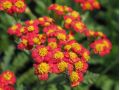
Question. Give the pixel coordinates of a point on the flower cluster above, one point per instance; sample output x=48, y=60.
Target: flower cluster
x=7, y=80
x=88, y=4
x=12, y=6
x=73, y=23
x=53, y=49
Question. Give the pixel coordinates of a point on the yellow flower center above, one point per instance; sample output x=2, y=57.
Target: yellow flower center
x=31, y=21
x=43, y=68
x=99, y=47
x=79, y=65
x=36, y=40
x=79, y=25
x=41, y=19
x=46, y=24
x=7, y=76
x=50, y=31
x=14, y=27
x=43, y=51
x=76, y=46
x=31, y=28
x=58, y=55
x=73, y=55
x=41, y=36
x=87, y=5
x=7, y=5
x=86, y=56
x=24, y=41
x=53, y=45
x=71, y=37
x=74, y=76
x=75, y=14
x=100, y=34
x=22, y=30
x=59, y=8
x=49, y=19
x=68, y=21
x=66, y=8
x=105, y=43
x=67, y=47
x=91, y=33
x=60, y=28
x=61, y=36
x=62, y=66
x=19, y=4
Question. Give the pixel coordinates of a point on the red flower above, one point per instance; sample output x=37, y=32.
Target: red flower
x=31, y=22
x=76, y=78
x=68, y=21
x=57, y=8
x=52, y=43
x=7, y=78
x=13, y=6
x=78, y=26
x=57, y=56
x=42, y=70
x=19, y=6
x=41, y=53
x=81, y=66
x=14, y=30
x=89, y=4
x=101, y=46
x=6, y=5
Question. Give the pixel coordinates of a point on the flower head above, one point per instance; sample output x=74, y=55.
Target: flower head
x=7, y=78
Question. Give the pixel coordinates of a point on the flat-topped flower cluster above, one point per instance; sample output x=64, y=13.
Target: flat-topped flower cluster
x=12, y=6
x=88, y=4
x=54, y=48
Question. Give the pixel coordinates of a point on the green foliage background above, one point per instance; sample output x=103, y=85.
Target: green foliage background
x=103, y=71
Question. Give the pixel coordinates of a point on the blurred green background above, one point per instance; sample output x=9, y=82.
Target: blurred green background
x=103, y=71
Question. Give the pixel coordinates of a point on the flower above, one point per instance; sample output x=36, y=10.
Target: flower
x=81, y=66
x=57, y=55
x=42, y=70
x=55, y=49
x=41, y=53
x=78, y=26
x=75, y=78
x=19, y=6
x=14, y=30
x=12, y=6
x=62, y=66
x=101, y=46
x=88, y=4
x=7, y=77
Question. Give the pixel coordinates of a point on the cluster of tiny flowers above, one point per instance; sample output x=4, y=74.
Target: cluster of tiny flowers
x=88, y=4
x=12, y=6
x=72, y=22
x=7, y=80
x=53, y=49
